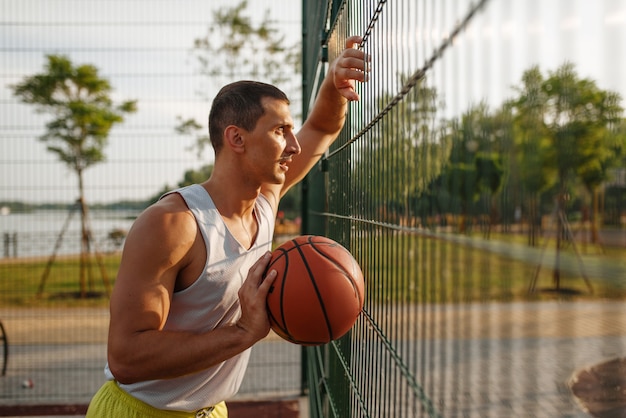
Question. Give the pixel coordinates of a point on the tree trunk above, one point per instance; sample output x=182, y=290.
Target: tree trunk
x=595, y=238
x=560, y=232
x=85, y=236
x=532, y=220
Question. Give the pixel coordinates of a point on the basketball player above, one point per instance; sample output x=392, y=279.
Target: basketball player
x=189, y=299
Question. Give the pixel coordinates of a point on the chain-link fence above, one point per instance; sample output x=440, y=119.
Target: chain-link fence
x=472, y=185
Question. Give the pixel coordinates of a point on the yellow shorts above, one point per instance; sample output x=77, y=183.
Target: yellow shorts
x=111, y=401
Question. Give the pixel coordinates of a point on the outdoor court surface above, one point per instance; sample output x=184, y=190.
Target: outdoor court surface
x=512, y=360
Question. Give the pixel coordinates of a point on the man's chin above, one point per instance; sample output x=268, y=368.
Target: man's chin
x=279, y=179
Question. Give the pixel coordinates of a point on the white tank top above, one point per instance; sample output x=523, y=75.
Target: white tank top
x=210, y=302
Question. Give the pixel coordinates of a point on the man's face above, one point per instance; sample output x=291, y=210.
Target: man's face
x=272, y=143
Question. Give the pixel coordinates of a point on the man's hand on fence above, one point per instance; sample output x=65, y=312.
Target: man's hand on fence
x=349, y=67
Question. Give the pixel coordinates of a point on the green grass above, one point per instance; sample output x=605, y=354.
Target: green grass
x=397, y=268
x=412, y=268
x=21, y=281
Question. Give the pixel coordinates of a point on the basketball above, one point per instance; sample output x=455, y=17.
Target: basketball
x=318, y=293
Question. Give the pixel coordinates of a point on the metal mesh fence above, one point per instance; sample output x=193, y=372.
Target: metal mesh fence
x=149, y=51
x=486, y=293
x=494, y=265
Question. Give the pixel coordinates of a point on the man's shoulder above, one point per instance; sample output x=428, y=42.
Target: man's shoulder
x=171, y=202
x=166, y=230
x=171, y=209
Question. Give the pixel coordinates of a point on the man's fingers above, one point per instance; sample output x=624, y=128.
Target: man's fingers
x=354, y=62
x=351, y=65
x=352, y=73
x=353, y=41
x=267, y=282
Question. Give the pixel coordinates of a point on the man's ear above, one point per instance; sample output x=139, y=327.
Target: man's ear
x=234, y=139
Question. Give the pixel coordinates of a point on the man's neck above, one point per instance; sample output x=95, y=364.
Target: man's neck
x=231, y=201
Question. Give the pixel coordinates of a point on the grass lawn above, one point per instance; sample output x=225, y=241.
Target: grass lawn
x=21, y=282
x=413, y=268
x=397, y=267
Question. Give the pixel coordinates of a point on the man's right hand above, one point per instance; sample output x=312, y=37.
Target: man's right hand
x=253, y=298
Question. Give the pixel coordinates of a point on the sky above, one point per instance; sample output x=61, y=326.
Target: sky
x=143, y=48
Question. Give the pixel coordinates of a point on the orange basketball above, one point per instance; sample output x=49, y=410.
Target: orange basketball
x=318, y=292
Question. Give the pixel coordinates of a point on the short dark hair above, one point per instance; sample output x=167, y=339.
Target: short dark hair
x=239, y=104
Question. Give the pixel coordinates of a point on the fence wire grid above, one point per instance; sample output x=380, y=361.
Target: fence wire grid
x=490, y=284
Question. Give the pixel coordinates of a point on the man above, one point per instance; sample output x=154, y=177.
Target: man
x=189, y=300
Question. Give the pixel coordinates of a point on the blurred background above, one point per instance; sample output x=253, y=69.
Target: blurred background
x=480, y=182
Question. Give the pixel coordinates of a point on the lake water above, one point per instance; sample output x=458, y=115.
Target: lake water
x=35, y=234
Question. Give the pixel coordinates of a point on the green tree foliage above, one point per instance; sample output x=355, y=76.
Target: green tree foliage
x=82, y=114
x=560, y=132
x=404, y=156
x=566, y=136
x=235, y=48
x=565, y=131
x=81, y=108
x=476, y=160
x=532, y=148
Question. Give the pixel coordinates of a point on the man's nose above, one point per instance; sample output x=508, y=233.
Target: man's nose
x=293, y=146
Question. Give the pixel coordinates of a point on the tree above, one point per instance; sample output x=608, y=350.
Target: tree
x=235, y=48
x=397, y=166
x=564, y=122
x=82, y=115
x=475, y=165
x=532, y=150
x=593, y=172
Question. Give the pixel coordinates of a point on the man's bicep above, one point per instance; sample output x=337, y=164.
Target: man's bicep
x=146, y=278
x=140, y=299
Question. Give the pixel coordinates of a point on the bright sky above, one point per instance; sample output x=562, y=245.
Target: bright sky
x=142, y=47
x=512, y=35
